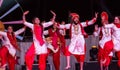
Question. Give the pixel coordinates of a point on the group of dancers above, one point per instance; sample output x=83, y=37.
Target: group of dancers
x=55, y=42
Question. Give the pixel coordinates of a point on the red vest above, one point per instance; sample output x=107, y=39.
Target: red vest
x=13, y=40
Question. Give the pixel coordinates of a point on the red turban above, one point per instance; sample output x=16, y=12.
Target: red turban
x=105, y=15
x=73, y=15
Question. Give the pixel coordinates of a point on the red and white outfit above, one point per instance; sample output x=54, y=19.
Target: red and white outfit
x=105, y=45
x=55, y=38
x=116, y=38
x=77, y=44
x=8, y=50
x=38, y=47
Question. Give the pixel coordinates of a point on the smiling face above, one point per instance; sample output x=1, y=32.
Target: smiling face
x=117, y=20
x=76, y=20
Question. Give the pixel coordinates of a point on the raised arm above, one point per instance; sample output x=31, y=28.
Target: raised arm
x=20, y=31
x=50, y=22
x=87, y=23
x=67, y=26
x=30, y=25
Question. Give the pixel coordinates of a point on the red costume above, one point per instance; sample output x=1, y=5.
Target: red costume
x=55, y=43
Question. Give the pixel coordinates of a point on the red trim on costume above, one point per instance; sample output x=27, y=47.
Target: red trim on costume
x=12, y=39
x=101, y=34
x=94, y=20
x=117, y=25
x=86, y=22
x=82, y=30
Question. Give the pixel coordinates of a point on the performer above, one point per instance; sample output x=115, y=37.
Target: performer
x=116, y=36
x=38, y=47
x=77, y=45
x=54, y=34
x=9, y=47
x=105, y=44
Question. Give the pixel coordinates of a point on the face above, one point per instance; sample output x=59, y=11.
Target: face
x=55, y=25
x=62, y=22
x=10, y=29
x=116, y=20
x=103, y=20
x=36, y=21
x=76, y=19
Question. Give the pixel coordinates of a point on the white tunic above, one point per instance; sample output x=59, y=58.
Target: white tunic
x=106, y=36
x=115, y=36
x=38, y=48
x=77, y=44
x=7, y=43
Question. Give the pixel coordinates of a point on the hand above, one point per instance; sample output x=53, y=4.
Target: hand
x=96, y=14
x=53, y=13
x=26, y=12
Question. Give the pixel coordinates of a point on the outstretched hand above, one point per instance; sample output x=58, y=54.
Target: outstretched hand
x=26, y=12
x=53, y=13
x=96, y=14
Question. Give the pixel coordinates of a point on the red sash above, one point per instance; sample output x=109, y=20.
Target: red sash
x=117, y=25
x=38, y=30
x=13, y=40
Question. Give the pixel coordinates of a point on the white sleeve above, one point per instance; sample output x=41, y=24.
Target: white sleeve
x=109, y=25
x=85, y=24
x=67, y=26
x=45, y=32
x=19, y=31
x=30, y=25
x=2, y=33
x=47, y=24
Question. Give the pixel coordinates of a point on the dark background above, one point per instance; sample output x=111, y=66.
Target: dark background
x=41, y=8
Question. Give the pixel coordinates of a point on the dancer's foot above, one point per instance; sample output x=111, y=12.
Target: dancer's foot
x=104, y=61
x=67, y=67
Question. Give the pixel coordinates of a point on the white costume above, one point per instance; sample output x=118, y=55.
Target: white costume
x=7, y=43
x=115, y=36
x=106, y=36
x=77, y=44
x=38, y=48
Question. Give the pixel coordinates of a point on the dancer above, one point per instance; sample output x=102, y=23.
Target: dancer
x=105, y=44
x=9, y=47
x=54, y=34
x=38, y=47
x=116, y=36
x=77, y=45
